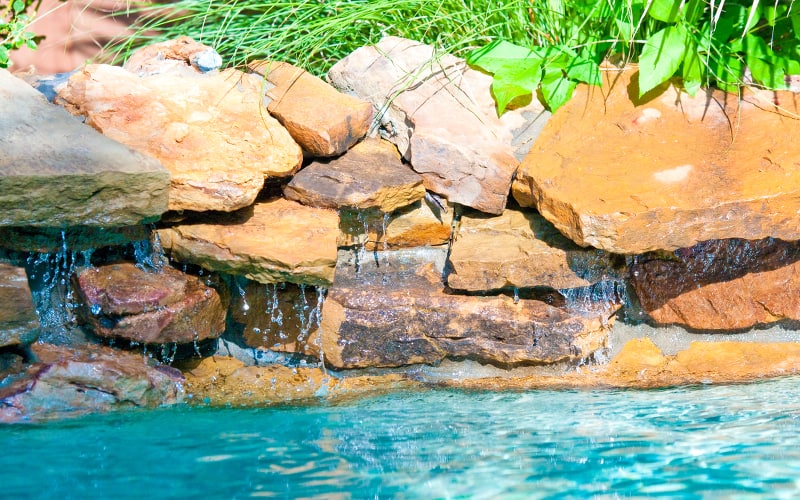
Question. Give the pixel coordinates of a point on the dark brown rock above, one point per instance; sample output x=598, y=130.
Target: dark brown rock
x=70, y=382
x=394, y=311
x=322, y=120
x=73, y=238
x=721, y=284
x=19, y=323
x=124, y=301
x=370, y=175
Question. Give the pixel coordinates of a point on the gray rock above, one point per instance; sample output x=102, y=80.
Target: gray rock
x=55, y=171
x=19, y=324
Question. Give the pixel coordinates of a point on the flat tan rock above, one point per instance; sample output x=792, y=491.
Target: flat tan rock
x=721, y=284
x=520, y=249
x=324, y=121
x=208, y=130
x=423, y=223
x=641, y=365
x=57, y=172
x=392, y=310
x=369, y=176
x=630, y=176
x=270, y=242
x=221, y=381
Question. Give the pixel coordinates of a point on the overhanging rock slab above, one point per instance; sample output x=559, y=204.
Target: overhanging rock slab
x=55, y=171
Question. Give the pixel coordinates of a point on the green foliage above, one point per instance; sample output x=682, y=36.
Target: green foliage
x=726, y=43
x=14, y=21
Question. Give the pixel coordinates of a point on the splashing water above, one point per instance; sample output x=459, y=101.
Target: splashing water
x=149, y=254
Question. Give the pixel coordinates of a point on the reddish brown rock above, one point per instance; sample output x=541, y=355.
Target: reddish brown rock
x=279, y=317
x=19, y=323
x=181, y=55
x=664, y=172
x=124, y=301
x=721, y=284
x=369, y=176
x=69, y=382
x=427, y=110
x=392, y=310
x=522, y=250
x=208, y=130
x=270, y=242
x=423, y=223
x=322, y=120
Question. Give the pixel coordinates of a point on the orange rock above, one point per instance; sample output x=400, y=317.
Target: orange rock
x=322, y=120
x=208, y=130
x=270, y=242
x=630, y=175
x=721, y=284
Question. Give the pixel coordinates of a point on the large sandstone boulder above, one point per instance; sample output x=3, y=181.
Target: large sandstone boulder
x=208, y=130
x=721, y=284
x=522, y=250
x=630, y=175
x=270, y=242
x=423, y=223
x=391, y=310
x=123, y=301
x=69, y=382
x=426, y=108
x=369, y=176
x=322, y=120
x=19, y=324
x=56, y=172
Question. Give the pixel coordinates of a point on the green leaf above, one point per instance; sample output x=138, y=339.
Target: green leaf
x=692, y=70
x=505, y=92
x=584, y=70
x=769, y=73
x=501, y=55
x=556, y=89
x=665, y=10
x=728, y=71
x=661, y=57
x=18, y=6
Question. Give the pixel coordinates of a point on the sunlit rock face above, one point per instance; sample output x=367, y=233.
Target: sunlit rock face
x=18, y=321
x=322, y=120
x=391, y=309
x=67, y=382
x=55, y=171
x=270, y=242
x=631, y=175
x=426, y=107
x=521, y=249
x=179, y=56
x=423, y=223
x=165, y=306
x=209, y=130
x=369, y=176
x=721, y=284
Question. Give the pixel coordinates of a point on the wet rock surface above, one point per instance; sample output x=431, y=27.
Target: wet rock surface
x=19, y=324
x=74, y=238
x=69, y=382
x=426, y=109
x=392, y=310
x=665, y=172
x=369, y=176
x=423, y=223
x=520, y=250
x=721, y=284
x=322, y=120
x=164, y=306
x=55, y=171
x=273, y=241
x=208, y=130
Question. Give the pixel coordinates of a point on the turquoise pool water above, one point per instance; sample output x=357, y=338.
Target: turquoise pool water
x=707, y=442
